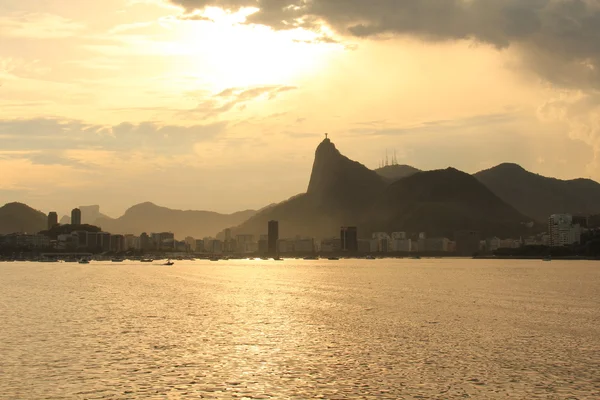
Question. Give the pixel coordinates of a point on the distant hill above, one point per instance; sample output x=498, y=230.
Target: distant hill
x=18, y=217
x=344, y=192
x=538, y=196
x=148, y=217
x=396, y=172
x=442, y=202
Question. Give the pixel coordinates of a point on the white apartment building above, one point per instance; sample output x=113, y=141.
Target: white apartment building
x=561, y=230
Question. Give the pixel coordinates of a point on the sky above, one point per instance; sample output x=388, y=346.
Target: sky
x=220, y=104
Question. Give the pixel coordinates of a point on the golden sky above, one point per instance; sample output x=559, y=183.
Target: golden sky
x=219, y=104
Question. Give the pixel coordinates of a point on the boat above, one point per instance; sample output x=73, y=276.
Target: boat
x=169, y=262
x=117, y=260
x=84, y=261
x=278, y=259
x=146, y=260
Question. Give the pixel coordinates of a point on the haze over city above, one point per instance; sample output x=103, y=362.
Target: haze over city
x=219, y=105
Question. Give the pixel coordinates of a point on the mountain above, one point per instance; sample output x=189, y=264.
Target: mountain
x=338, y=193
x=396, y=172
x=538, y=196
x=442, y=202
x=89, y=214
x=344, y=192
x=148, y=217
x=18, y=217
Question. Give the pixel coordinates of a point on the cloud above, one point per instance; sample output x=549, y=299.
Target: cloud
x=581, y=113
x=38, y=26
x=231, y=98
x=53, y=134
x=560, y=39
x=444, y=127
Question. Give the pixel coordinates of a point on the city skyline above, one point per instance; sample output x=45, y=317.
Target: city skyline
x=179, y=98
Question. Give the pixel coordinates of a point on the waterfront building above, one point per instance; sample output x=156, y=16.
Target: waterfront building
x=190, y=243
x=145, y=242
x=562, y=231
x=25, y=241
x=401, y=245
x=82, y=239
x=132, y=242
x=263, y=246
x=285, y=246
x=333, y=245
x=163, y=240
x=304, y=245
x=398, y=235
x=380, y=242
x=52, y=220
x=349, y=239
x=433, y=245
x=273, y=237
x=117, y=243
x=76, y=216
x=104, y=239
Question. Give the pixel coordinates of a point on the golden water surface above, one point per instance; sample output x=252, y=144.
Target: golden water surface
x=383, y=329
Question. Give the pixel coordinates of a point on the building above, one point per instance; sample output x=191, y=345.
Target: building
x=562, y=230
x=349, y=239
x=285, y=246
x=306, y=245
x=25, y=241
x=273, y=237
x=433, y=245
x=380, y=242
x=52, y=220
x=467, y=243
x=245, y=244
x=163, y=240
x=76, y=216
x=399, y=235
x=263, y=246
x=401, y=245
x=132, y=242
x=104, y=239
x=190, y=243
x=331, y=245
x=117, y=243
x=82, y=239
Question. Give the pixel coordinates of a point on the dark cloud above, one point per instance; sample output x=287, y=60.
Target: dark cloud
x=559, y=38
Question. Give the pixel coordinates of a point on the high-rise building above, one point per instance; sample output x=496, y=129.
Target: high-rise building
x=76, y=216
x=349, y=237
x=52, y=220
x=563, y=231
x=145, y=242
x=273, y=237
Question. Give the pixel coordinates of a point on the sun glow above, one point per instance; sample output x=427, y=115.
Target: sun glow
x=224, y=53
